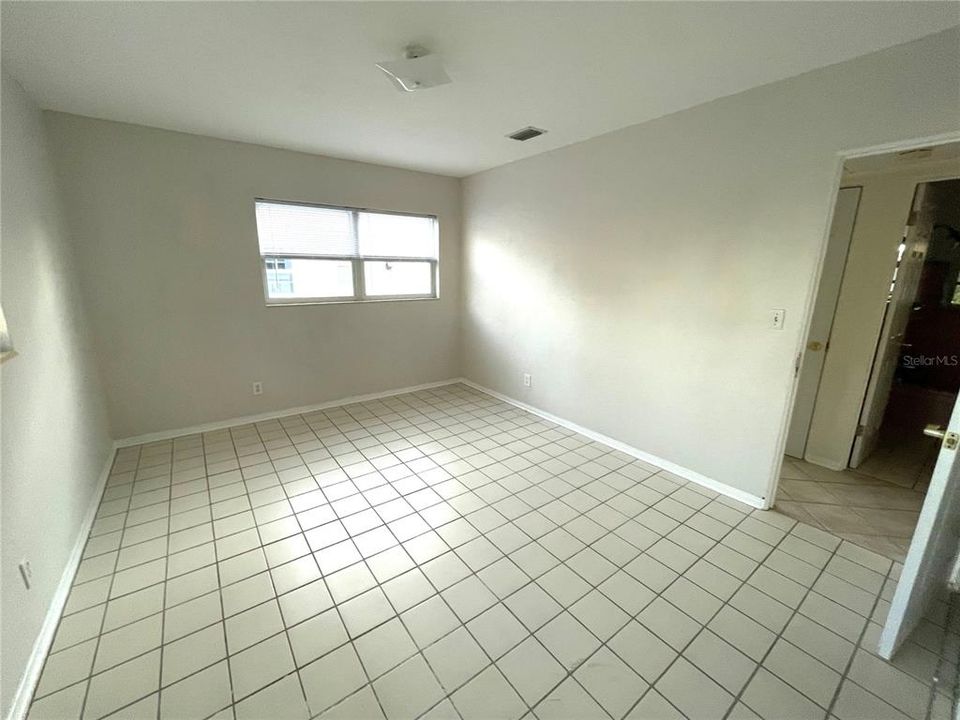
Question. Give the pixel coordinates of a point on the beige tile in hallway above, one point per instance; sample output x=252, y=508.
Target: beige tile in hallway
x=905, y=458
x=865, y=510
x=443, y=554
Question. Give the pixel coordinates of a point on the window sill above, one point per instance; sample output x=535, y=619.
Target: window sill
x=367, y=301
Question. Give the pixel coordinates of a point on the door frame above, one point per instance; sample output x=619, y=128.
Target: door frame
x=814, y=283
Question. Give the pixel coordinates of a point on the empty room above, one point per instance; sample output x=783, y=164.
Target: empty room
x=479, y=360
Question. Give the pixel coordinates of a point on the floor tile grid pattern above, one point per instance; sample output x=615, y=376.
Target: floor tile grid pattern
x=663, y=482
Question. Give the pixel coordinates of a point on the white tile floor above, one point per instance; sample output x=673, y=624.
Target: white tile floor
x=443, y=554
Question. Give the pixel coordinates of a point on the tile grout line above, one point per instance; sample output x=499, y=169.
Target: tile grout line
x=725, y=603
x=676, y=488
x=418, y=567
x=219, y=590
x=103, y=620
x=351, y=640
x=569, y=673
x=166, y=570
x=856, y=648
x=794, y=612
x=741, y=521
x=475, y=572
x=483, y=534
x=296, y=666
x=464, y=624
x=63, y=614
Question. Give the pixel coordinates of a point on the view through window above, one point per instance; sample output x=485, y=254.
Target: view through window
x=316, y=253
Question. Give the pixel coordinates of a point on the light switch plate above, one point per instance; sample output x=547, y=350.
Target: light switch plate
x=778, y=317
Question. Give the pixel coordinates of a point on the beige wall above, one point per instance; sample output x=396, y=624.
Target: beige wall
x=170, y=267
x=53, y=424
x=884, y=208
x=634, y=274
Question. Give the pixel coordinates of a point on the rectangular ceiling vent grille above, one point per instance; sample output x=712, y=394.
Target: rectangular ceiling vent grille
x=527, y=133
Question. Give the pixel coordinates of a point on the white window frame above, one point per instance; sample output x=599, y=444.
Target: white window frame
x=356, y=261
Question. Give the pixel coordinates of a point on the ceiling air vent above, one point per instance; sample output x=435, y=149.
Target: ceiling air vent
x=527, y=133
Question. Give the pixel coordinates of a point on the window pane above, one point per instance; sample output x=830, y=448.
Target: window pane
x=397, y=235
x=304, y=229
x=397, y=278
x=291, y=278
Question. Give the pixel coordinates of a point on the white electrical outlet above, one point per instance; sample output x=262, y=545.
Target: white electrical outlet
x=527, y=380
x=778, y=316
x=26, y=572
x=258, y=388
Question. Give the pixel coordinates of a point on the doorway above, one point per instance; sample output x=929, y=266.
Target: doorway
x=882, y=360
x=916, y=375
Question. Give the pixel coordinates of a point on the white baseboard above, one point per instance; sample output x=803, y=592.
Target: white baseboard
x=825, y=462
x=41, y=646
x=274, y=414
x=686, y=473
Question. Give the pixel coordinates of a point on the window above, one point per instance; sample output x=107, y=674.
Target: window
x=279, y=284
x=314, y=253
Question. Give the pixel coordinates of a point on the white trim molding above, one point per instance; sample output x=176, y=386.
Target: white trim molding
x=41, y=646
x=686, y=473
x=828, y=463
x=899, y=145
x=274, y=414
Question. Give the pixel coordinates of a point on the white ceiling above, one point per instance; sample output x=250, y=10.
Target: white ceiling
x=302, y=75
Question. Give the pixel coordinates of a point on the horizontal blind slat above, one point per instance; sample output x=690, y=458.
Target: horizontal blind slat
x=309, y=230
x=304, y=229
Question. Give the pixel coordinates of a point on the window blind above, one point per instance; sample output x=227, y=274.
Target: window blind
x=306, y=230
x=291, y=230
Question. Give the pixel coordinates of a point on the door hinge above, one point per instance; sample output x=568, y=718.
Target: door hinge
x=860, y=430
x=951, y=440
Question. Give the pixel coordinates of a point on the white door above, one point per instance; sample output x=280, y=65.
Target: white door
x=934, y=545
x=907, y=279
x=825, y=307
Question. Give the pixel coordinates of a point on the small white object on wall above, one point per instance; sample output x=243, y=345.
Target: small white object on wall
x=6, y=343
x=778, y=317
